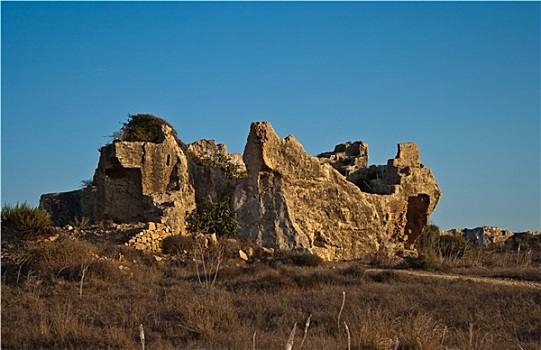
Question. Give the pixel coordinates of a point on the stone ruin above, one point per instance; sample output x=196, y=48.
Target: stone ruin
x=333, y=205
x=488, y=236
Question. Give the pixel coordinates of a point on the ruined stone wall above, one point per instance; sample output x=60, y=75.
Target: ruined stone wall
x=64, y=207
x=150, y=237
x=347, y=157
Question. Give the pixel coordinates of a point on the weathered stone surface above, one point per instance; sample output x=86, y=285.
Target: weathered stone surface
x=210, y=183
x=210, y=150
x=290, y=201
x=408, y=192
x=207, y=148
x=347, y=157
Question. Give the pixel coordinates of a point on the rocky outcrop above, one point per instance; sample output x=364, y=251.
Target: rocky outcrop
x=486, y=235
x=334, y=206
x=292, y=201
x=483, y=236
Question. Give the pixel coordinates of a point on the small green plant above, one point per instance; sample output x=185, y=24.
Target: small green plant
x=27, y=221
x=80, y=223
x=219, y=219
x=142, y=127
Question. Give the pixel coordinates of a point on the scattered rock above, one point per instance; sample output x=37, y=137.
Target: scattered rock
x=53, y=237
x=243, y=255
x=268, y=252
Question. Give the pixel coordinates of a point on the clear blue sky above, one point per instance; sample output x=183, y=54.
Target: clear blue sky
x=459, y=79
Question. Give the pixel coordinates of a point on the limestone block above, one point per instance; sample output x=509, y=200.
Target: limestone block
x=140, y=246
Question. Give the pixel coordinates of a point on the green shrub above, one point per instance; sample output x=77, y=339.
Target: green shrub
x=143, y=127
x=27, y=221
x=219, y=219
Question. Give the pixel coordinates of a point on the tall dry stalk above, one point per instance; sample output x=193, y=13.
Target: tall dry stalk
x=84, y=269
x=210, y=264
x=341, y=308
x=349, y=335
x=306, y=325
x=142, y=336
x=289, y=345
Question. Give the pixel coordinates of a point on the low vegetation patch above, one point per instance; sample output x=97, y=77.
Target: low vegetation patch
x=299, y=258
x=25, y=221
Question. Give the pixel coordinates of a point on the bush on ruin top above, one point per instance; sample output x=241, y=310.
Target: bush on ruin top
x=143, y=127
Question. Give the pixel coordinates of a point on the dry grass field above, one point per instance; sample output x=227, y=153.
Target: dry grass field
x=79, y=293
